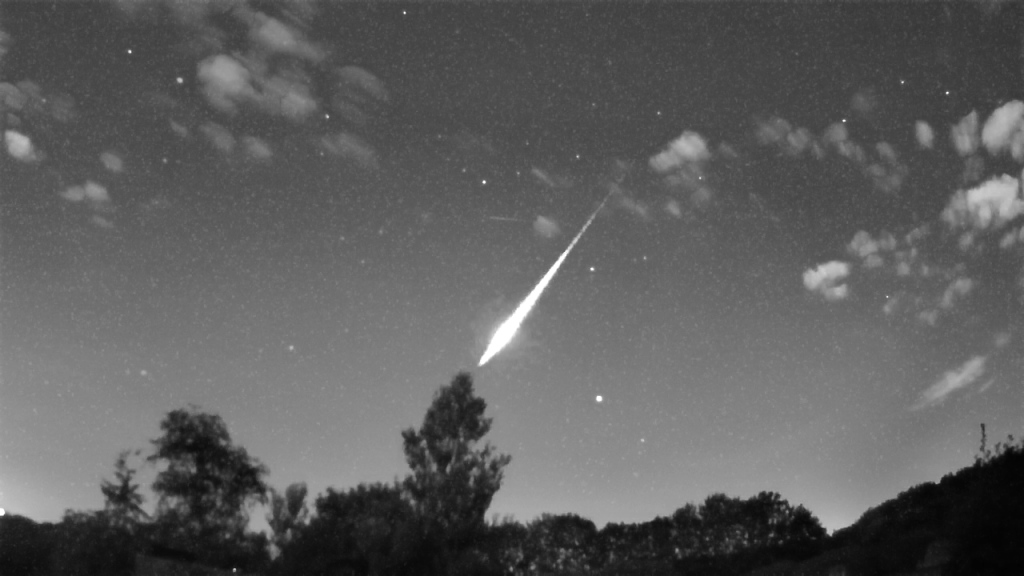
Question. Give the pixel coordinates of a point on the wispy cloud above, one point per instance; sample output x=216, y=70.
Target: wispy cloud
x=827, y=280
x=351, y=147
x=546, y=227
x=219, y=137
x=953, y=380
x=256, y=148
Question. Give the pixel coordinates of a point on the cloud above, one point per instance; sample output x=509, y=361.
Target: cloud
x=91, y=191
x=867, y=248
x=779, y=132
x=925, y=135
x=827, y=278
x=1002, y=340
x=554, y=181
x=990, y=205
x=219, y=136
x=965, y=134
x=20, y=146
x=225, y=81
x=1005, y=129
x=546, y=227
x=101, y=221
x=953, y=380
x=274, y=36
x=351, y=147
x=357, y=94
x=256, y=148
x=636, y=207
x=956, y=290
x=689, y=148
x=673, y=208
x=112, y=162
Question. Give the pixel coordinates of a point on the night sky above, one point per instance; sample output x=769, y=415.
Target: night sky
x=306, y=217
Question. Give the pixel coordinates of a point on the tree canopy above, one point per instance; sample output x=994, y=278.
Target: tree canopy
x=453, y=477
x=205, y=487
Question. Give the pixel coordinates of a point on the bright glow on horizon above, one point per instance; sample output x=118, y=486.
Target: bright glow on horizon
x=507, y=330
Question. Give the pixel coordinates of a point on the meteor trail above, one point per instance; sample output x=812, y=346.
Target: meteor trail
x=510, y=326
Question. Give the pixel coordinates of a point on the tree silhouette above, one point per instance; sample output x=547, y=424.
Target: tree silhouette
x=453, y=479
x=25, y=546
x=370, y=529
x=563, y=543
x=123, y=503
x=205, y=488
x=92, y=544
x=287, y=514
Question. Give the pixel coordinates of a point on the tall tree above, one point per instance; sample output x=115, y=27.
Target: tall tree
x=123, y=503
x=453, y=477
x=205, y=488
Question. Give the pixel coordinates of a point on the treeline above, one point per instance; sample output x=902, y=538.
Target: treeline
x=432, y=522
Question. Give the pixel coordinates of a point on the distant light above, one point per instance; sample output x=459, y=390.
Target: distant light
x=291, y=347
x=483, y=182
x=129, y=50
x=599, y=399
x=179, y=80
x=591, y=268
x=947, y=92
x=902, y=81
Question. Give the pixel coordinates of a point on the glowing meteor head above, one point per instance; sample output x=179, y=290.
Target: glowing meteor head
x=502, y=336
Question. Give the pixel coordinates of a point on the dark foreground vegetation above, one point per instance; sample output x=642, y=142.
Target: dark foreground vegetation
x=432, y=522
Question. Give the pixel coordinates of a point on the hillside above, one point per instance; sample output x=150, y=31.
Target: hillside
x=970, y=522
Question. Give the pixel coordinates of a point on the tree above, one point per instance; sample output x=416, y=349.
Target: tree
x=25, y=546
x=123, y=503
x=92, y=544
x=563, y=543
x=453, y=479
x=205, y=489
x=287, y=513
x=370, y=529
